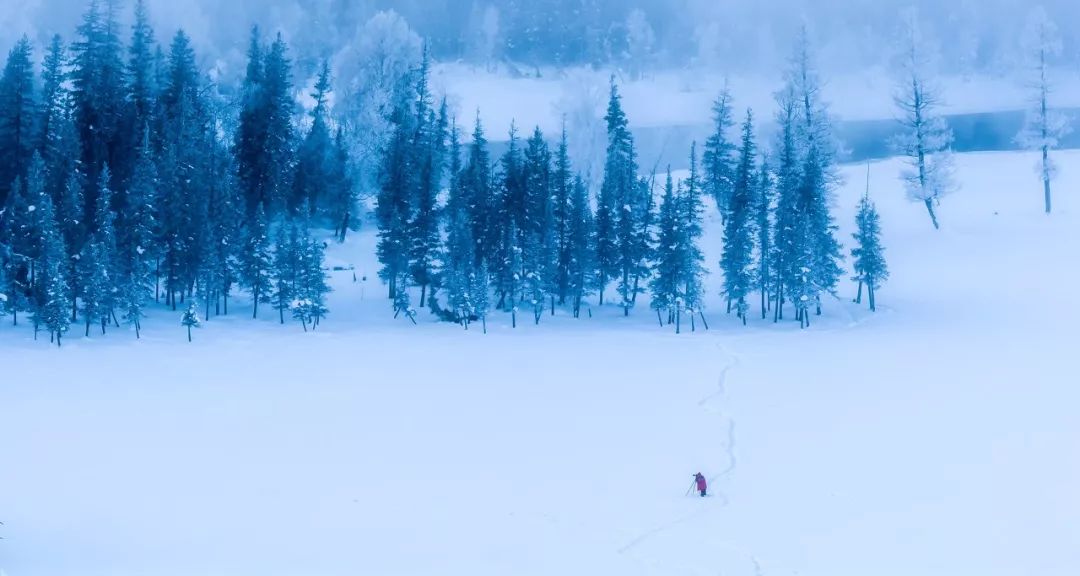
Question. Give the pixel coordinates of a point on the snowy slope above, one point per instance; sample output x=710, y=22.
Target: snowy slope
x=937, y=437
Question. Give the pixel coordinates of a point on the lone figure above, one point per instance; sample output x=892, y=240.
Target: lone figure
x=702, y=486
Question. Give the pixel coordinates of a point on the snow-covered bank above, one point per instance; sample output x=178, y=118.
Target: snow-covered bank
x=936, y=437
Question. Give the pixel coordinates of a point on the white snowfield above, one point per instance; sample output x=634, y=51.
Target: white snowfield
x=938, y=437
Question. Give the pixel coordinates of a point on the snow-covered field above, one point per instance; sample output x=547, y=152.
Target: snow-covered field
x=937, y=437
x=687, y=95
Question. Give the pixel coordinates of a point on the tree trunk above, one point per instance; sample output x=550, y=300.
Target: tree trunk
x=858, y=298
x=255, y=312
x=693, y=325
x=552, y=304
x=870, y=293
x=764, y=312
x=138, y=330
x=189, y=333
x=678, y=321
x=87, y=333
x=483, y=320
x=703, y=320
x=658, y=318
x=933, y=217
x=423, y=295
x=1046, y=186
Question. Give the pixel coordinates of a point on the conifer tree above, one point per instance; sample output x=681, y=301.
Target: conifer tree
x=98, y=88
x=478, y=185
x=739, y=233
x=52, y=301
x=668, y=263
x=691, y=213
x=868, y=254
x=616, y=214
x=580, y=246
x=142, y=86
x=17, y=114
x=311, y=183
x=137, y=248
x=104, y=238
x=16, y=250
x=718, y=161
x=764, y=227
x=255, y=261
x=562, y=191
x=54, y=110
x=285, y=267
x=190, y=319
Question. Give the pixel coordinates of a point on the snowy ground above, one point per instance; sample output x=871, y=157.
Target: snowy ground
x=937, y=437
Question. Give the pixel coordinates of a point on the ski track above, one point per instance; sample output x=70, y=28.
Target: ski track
x=729, y=448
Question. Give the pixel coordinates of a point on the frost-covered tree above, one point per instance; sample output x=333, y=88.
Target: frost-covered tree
x=580, y=247
x=286, y=266
x=926, y=139
x=142, y=86
x=737, y=262
x=620, y=179
x=868, y=253
x=98, y=88
x=640, y=42
x=667, y=259
x=255, y=261
x=104, y=249
x=17, y=254
x=17, y=115
x=718, y=162
x=692, y=212
x=372, y=71
x=1044, y=126
x=765, y=229
x=309, y=304
x=52, y=299
x=190, y=319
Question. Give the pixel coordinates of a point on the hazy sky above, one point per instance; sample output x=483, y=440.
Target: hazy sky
x=979, y=35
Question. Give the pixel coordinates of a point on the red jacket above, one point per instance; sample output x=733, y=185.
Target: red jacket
x=700, y=482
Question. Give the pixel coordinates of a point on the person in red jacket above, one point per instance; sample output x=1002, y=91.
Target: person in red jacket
x=702, y=486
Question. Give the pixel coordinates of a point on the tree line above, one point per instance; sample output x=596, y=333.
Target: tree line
x=128, y=178
x=523, y=232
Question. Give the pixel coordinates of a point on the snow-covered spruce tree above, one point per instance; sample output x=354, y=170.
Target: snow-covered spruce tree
x=616, y=217
x=311, y=181
x=764, y=226
x=428, y=158
x=54, y=116
x=309, y=300
x=136, y=247
x=285, y=267
x=18, y=112
x=255, y=261
x=97, y=89
x=104, y=238
x=141, y=85
x=52, y=299
x=458, y=256
x=818, y=262
x=480, y=279
x=397, y=184
x=692, y=211
x=17, y=250
x=926, y=139
x=668, y=263
x=718, y=162
x=478, y=188
x=540, y=256
x=1044, y=126
x=508, y=215
x=92, y=278
x=190, y=319
x=624, y=203
x=737, y=261
x=580, y=247
x=868, y=253
x=562, y=190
